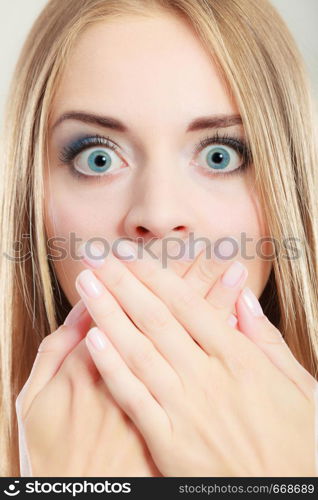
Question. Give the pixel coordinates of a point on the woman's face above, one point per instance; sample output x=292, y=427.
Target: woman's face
x=154, y=77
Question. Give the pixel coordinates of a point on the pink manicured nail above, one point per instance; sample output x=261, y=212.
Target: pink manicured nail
x=232, y=320
x=252, y=302
x=233, y=274
x=90, y=284
x=96, y=338
x=75, y=314
x=93, y=254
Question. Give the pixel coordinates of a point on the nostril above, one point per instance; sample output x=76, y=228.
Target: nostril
x=141, y=230
x=180, y=228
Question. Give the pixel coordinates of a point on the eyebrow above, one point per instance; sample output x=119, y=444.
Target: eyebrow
x=204, y=122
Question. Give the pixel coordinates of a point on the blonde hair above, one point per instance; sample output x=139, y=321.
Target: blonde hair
x=264, y=71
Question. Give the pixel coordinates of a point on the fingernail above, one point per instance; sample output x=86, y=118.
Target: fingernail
x=233, y=274
x=93, y=254
x=90, y=284
x=96, y=338
x=125, y=251
x=75, y=313
x=252, y=302
x=232, y=320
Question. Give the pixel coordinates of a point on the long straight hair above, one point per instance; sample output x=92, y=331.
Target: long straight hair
x=263, y=70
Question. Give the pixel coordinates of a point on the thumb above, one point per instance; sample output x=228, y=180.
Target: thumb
x=51, y=353
x=255, y=325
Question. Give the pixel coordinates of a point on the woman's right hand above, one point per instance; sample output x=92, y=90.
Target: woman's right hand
x=69, y=424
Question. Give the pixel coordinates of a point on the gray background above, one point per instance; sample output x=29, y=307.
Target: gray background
x=17, y=17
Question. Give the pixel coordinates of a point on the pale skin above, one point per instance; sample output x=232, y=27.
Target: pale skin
x=216, y=395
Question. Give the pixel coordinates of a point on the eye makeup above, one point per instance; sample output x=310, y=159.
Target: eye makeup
x=69, y=152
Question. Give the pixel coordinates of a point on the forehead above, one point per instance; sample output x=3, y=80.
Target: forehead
x=142, y=69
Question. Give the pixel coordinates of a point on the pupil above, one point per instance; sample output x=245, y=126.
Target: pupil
x=217, y=157
x=100, y=160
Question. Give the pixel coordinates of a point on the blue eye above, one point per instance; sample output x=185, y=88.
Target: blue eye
x=85, y=161
x=222, y=155
x=93, y=161
x=99, y=161
x=218, y=158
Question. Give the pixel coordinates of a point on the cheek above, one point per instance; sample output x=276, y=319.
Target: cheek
x=69, y=212
x=70, y=220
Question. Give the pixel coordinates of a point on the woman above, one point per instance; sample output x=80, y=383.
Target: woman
x=196, y=118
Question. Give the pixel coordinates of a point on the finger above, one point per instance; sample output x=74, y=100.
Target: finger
x=257, y=327
x=52, y=351
x=78, y=365
x=193, y=312
x=127, y=390
x=171, y=256
x=190, y=310
x=205, y=276
x=136, y=349
x=140, y=297
x=224, y=293
x=202, y=277
x=204, y=272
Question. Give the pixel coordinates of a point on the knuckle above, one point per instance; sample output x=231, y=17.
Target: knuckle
x=187, y=298
x=237, y=368
x=239, y=364
x=46, y=344
x=118, y=279
x=155, y=317
x=108, y=311
x=221, y=298
x=76, y=363
x=135, y=407
x=52, y=341
x=143, y=356
x=217, y=303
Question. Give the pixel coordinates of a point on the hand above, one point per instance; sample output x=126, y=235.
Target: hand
x=206, y=399
x=67, y=347
x=69, y=424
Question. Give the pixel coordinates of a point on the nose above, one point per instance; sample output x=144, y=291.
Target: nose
x=159, y=208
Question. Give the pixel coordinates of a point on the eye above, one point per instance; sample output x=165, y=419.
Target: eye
x=220, y=158
x=97, y=161
x=90, y=157
x=222, y=155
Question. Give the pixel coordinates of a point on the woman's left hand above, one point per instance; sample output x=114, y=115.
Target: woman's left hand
x=208, y=399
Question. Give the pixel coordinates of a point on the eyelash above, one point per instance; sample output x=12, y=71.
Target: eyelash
x=239, y=145
x=68, y=153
